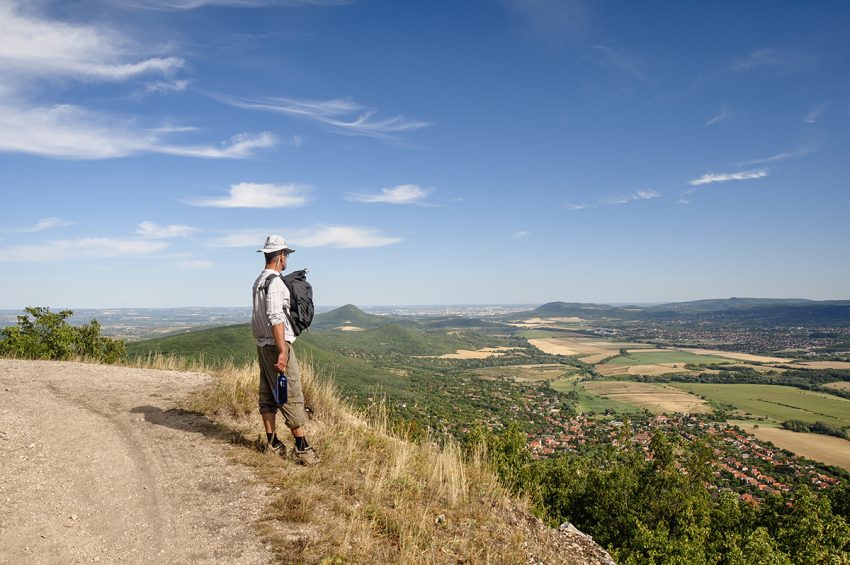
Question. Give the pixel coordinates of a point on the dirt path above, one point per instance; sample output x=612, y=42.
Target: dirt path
x=96, y=465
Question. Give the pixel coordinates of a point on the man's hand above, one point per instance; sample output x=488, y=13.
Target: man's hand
x=282, y=360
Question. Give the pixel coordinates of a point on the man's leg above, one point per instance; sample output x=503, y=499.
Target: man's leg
x=293, y=412
x=268, y=408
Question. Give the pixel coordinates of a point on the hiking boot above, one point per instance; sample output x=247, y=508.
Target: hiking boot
x=276, y=446
x=306, y=457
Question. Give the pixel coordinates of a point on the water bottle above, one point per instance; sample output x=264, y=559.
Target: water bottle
x=281, y=389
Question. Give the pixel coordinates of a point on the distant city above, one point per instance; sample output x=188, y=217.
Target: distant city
x=142, y=323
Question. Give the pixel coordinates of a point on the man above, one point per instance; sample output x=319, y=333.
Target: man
x=272, y=329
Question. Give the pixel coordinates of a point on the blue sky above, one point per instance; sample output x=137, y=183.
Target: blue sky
x=481, y=151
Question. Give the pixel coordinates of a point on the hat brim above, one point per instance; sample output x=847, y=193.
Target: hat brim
x=276, y=249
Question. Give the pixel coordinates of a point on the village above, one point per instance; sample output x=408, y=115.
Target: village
x=743, y=464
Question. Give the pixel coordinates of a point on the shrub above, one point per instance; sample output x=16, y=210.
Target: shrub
x=42, y=334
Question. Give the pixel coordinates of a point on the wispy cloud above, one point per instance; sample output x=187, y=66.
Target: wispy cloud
x=33, y=46
x=520, y=234
x=622, y=62
x=348, y=237
x=150, y=230
x=401, y=194
x=71, y=132
x=711, y=178
x=341, y=115
x=801, y=152
x=258, y=195
x=721, y=116
x=176, y=5
x=343, y=237
x=770, y=60
x=570, y=206
x=162, y=86
x=637, y=195
x=70, y=249
x=815, y=113
x=43, y=224
x=38, y=50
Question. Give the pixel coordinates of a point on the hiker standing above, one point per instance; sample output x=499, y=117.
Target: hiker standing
x=272, y=328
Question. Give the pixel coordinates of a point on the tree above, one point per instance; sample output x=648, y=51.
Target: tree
x=42, y=334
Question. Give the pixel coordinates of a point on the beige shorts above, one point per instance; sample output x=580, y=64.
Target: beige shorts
x=293, y=410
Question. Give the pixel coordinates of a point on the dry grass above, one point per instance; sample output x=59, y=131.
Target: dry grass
x=841, y=385
x=824, y=364
x=376, y=497
x=734, y=355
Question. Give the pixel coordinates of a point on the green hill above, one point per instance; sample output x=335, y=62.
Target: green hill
x=348, y=315
x=213, y=345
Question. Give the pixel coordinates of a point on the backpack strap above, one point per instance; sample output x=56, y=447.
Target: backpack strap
x=267, y=283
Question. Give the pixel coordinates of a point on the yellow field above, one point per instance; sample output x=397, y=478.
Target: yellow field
x=735, y=355
x=844, y=385
x=827, y=449
x=528, y=373
x=824, y=364
x=538, y=322
x=482, y=353
x=656, y=398
x=592, y=350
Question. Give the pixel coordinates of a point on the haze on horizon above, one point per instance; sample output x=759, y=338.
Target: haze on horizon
x=483, y=152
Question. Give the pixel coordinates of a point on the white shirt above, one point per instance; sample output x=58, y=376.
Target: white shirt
x=269, y=309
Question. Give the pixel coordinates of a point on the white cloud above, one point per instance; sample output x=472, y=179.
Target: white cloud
x=89, y=247
x=569, y=206
x=348, y=237
x=256, y=195
x=802, y=152
x=711, y=178
x=342, y=236
x=341, y=115
x=167, y=86
x=44, y=224
x=637, y=195
x=36, y=47
x=71, y=132
x=520, y=234
x=176, y=5
x=815, y=113
x=401, y=194
x=721, y=116
x=771, y=60
x=150, y=230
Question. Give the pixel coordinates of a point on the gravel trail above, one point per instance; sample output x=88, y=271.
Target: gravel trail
x=97, y=465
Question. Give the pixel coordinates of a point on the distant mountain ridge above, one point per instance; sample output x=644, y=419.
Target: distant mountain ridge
x=777, y=310
x=349, y=315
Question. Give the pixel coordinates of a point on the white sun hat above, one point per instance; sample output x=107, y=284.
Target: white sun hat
x=275, y=243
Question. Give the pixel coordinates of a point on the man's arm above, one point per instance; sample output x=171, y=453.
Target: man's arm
x=282, y=348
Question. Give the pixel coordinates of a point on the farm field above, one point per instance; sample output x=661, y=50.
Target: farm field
x=843, y=385
x=659, y=356
x=565, y=384
x=590, y=350
x=826, y=449
x=527, y=373
x=822, y=364
x=735, y=355
x=777, y=403
x=482, y=353
x=656, y=398
x=589, y=402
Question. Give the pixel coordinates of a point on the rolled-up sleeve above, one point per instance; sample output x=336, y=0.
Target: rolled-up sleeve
x=277, y=303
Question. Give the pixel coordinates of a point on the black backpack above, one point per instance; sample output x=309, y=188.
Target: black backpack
x=300, y=299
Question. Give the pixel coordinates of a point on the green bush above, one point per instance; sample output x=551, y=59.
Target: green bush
x=42, y=334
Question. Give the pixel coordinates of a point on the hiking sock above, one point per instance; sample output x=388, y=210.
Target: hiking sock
x=273, y=440
x=301, y=443
x=269, y=436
